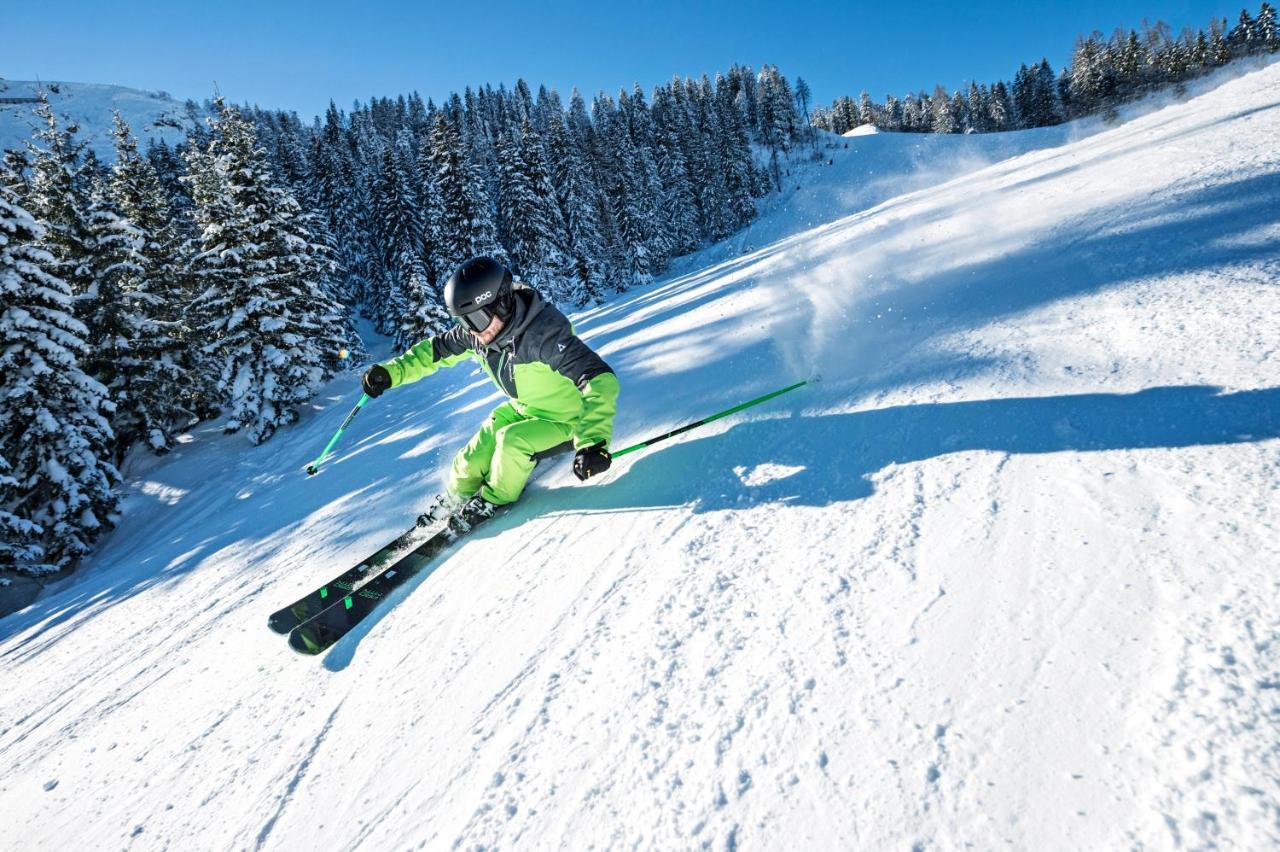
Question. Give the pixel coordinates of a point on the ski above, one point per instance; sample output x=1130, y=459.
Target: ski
x=285, y=619
x=320, y=632
x=408, y=553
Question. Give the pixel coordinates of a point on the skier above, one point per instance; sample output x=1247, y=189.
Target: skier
x=560, y=390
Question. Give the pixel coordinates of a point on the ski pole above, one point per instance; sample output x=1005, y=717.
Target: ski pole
x=315, y=465
x=706, y=420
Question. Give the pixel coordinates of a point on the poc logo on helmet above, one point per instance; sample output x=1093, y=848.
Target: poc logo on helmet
x=484, y=297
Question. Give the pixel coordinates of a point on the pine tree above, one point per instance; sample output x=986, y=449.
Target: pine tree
x=624, y=187
x=59, y=198
x=156, y=385
x=1265, y=28
x=803, y=96
x=1001, y=108
x=339, y=203
x=678, y=197
x=273, y=334
x=13, y=174
x=776, y=109
x=1242, y=40
x=56, y=484
x=399, y=235
x=424, y=314
x=534, y=227
x=866, y=109
x=945, y=117
x=467, y=226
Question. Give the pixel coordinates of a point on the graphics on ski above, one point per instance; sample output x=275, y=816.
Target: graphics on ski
x=320, y=632
x=352, y=595
x=284, y=620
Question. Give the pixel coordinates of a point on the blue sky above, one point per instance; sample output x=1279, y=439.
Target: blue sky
x=297, y=55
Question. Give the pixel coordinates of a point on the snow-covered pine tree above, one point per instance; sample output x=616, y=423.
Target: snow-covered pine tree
x=1243, y=37
x=467, y=227
x=399, y=234
x=624, y=187
x=13, y=173
x=338, y=202
x=59, y=198
x=678, y=206
x=803, y=95
x=156, y=385
x=639, y=122
x=891, y=113
x=945, y=119
x=736, y=162
x=56, y=482
x=273, y=333
x=534, y=228
x=1000, y=108
x=424, y=313
x=170, y=167
x=432, y=208
x=1044, y=93
x=866, y=109
x=776, y=109
x=705, y=166
x=1266, y=29
x=979, y=112
x=587, y=215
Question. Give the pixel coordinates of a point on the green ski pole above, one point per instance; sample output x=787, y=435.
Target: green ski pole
x=705, y=420
x=315, y=465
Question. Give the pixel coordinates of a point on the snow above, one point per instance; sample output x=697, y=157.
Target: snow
x=151, y=115
x=1005, y=576
x=861, y=130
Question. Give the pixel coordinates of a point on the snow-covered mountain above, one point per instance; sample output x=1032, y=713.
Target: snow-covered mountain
x=151, y=115
x=1005, y=576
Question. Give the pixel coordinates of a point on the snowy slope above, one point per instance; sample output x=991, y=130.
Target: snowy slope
x=151, y=115
x=1007, y=576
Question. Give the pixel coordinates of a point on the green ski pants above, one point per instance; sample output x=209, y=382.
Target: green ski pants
x=498, y=459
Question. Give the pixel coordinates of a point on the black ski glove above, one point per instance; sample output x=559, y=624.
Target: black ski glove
x=591, y=461
x=376, y=380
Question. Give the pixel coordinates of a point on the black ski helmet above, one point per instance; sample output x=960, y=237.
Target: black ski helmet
x=479, y=290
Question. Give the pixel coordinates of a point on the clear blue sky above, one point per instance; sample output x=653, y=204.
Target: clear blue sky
x=298, y=55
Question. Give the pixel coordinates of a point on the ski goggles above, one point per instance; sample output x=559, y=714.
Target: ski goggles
x=477, y=321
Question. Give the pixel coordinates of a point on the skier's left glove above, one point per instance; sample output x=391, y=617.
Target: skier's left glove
x=591, y=461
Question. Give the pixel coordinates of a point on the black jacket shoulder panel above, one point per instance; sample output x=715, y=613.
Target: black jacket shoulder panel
x=549, y=338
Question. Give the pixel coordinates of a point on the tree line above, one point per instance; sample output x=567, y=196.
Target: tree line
x=1103, y=75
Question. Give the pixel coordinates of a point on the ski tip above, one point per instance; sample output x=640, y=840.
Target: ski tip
x=304, y=644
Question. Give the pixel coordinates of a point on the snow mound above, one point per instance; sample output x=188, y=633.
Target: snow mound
x=151, y=115
x=861, y=130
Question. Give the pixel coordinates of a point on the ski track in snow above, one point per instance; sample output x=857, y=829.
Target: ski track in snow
x=1006, y=576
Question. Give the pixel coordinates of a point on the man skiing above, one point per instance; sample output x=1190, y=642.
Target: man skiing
x=559, y=390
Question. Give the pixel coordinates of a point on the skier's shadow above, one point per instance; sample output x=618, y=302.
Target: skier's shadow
x=819, y=460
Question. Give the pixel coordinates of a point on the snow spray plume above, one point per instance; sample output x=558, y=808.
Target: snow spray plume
x=706, y=420
x=315, y=465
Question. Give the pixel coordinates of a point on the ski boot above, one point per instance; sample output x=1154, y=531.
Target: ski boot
x=475, y=511
x=444, y=507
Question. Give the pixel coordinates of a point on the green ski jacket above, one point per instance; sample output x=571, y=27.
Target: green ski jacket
x=546, y=370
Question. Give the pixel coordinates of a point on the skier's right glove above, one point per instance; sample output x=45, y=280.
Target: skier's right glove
x=376, y=380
